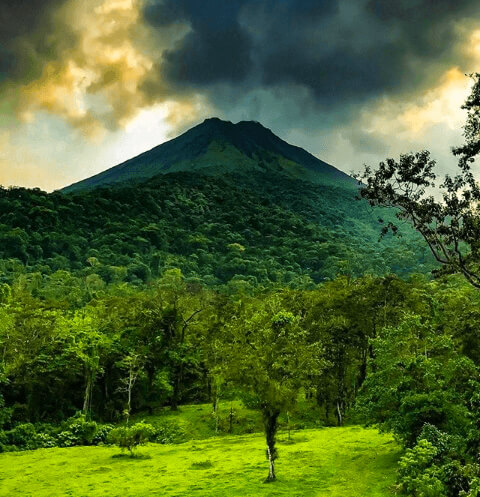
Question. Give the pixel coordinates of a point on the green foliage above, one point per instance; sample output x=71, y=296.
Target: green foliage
x=419, y=378
x=168, y=432
x=77, y=431
x=268, y=353
x=72, y=432
x=423, y=386
x=101, y=434
x=130, y=437
x=215, y=229
x=418, y=475
x=436, y=465
x=23, y=435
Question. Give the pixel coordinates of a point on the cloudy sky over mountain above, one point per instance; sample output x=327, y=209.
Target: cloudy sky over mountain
x=85, y=85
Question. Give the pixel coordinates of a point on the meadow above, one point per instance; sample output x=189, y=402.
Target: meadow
x=335, y=462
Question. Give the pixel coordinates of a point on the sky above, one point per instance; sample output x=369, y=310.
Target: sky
x=86, y=84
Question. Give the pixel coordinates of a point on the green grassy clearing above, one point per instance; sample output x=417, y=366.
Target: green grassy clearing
x=334, y=462
x=196, y=421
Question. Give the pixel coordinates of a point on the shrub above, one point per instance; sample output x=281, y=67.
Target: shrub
x=168, y=433
x=44, y=441
x=130, y=437
x=442, y=441
x=3, y=442
x=418, y=473
x=66, y=439
x=101, y=434
x=22, y=436
x=78, y=430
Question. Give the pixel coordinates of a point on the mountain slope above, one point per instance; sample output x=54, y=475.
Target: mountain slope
x=217, y=230
x=216, y=147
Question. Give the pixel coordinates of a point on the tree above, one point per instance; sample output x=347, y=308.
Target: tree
x=449, y=225
x=133, y=365
x=84, y=344
x=419, y=377
x=179, y=306
x=267, y=353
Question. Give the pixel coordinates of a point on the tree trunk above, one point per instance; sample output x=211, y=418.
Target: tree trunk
x=177, y=380
x=131, y=382
x=270, y=421
x=87, y=398
x=339, y=413
x=174, y=399
x=215, y=410
x=230, y=420
x=271, y=465
x=363, y=367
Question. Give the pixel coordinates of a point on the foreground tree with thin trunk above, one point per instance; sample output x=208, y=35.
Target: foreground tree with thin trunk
x=269, y=356
x=449, y=224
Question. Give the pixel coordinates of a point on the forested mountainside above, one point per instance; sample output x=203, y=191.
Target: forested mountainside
x=254, y=228
x=244, y=284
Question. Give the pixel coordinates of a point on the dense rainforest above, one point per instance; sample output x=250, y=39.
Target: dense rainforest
x=254, y=229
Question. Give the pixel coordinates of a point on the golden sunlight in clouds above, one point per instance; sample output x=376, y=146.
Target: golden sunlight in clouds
x=96, y=86
x=108, y=83
x=473, y=46
x=439, y=105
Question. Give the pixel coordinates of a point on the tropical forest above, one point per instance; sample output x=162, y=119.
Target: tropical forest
x=225, y=314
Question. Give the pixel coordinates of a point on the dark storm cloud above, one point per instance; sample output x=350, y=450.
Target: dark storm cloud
x=216, y=49
x=28, y=37
x=343, y=52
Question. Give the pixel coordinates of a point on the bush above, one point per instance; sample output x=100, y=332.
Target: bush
x=439, y=439
x=435, y=467
x=3, y=442
x=78, y=431
x=168, y=433
x=418, y=473
x=101, y=435
x=66, y=439
x=44, y=441
x=130, y=437
x=22, y=436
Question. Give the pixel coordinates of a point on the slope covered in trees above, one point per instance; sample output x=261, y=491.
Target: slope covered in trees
x=256, y=229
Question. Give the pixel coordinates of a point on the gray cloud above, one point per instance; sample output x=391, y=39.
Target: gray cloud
x=216, y=49
x=343, y=52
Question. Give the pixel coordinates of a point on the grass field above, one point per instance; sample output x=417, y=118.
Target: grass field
x=196, y=421
x=334, y=462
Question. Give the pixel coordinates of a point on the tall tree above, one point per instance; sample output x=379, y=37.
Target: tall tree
x=268, y=354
